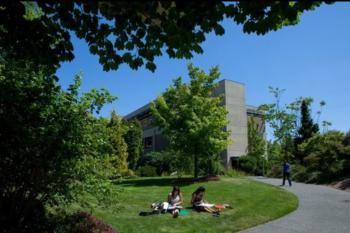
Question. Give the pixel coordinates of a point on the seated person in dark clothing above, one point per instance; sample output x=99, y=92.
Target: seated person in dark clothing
x=199, y=204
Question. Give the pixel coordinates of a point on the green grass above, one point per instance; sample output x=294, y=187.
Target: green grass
x=253, y=203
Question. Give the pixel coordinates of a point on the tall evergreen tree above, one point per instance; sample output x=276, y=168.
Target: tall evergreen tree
x=346, y=140
x=307, y=127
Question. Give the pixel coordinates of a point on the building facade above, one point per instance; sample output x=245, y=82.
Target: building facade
x=239, y=113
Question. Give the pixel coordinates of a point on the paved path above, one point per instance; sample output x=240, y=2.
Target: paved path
x=321, y=209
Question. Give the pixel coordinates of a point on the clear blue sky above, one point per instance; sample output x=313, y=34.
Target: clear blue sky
x=309, y=59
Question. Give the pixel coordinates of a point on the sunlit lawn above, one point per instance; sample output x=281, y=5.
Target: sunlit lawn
x=253, y=203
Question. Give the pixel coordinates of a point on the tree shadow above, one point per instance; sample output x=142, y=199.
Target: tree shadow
x=165, y=181
x=142, y=182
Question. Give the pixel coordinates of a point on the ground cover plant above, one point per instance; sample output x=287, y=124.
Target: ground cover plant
x=253, y=203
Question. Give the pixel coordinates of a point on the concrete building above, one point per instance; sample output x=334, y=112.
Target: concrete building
x=238, y=115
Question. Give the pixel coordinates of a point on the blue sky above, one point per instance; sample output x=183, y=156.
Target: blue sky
x=309, y=59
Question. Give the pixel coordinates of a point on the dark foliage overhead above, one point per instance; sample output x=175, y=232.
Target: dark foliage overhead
x=131, y=32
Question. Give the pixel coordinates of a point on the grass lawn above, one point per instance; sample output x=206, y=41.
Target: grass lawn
x=253, y=203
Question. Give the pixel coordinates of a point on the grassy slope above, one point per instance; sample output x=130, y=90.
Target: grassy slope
x=254, y=203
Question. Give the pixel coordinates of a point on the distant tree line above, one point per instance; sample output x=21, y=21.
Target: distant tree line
x=317, y=157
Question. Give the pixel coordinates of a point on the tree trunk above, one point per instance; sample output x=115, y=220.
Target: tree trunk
x=195, y=165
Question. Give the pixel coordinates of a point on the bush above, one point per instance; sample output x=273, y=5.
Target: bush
x=128, y=174
x=81, y=222
x=235, y=173
x=300, y=173
x=325, y=156
x=248, y=164
x=167, y=162
x=147, y=171
x=211, y=167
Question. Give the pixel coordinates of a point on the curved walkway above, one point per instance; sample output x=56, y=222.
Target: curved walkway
x=321, y=209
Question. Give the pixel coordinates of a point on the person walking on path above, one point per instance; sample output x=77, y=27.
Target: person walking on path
x=286, y=173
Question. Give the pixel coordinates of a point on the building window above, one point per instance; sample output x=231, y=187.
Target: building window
x=148, y=143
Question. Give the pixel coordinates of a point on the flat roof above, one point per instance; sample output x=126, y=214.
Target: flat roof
x=146, y=106
x=233, y=81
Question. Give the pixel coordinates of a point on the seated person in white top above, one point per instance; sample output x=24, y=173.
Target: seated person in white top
x=175, y=199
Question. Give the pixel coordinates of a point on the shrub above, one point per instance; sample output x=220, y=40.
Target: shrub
x=325, y=156
x=128, y=174
x=274, y=170
x=147, y=170
x=81, y=222
x=235, y=173
x=211, y=166
x=167, y=162
x=248, y=164
x=300, y=173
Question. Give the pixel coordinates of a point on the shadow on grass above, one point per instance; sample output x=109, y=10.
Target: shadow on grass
x=141, y=182
x=166, y=181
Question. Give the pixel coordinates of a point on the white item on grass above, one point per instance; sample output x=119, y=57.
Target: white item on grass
x=206, y=205
x=171, y=207
x=167, y=206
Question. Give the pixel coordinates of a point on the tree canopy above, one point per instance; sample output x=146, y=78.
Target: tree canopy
x=132, y=33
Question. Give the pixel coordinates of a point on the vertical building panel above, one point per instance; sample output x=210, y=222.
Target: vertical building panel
x=237, y=116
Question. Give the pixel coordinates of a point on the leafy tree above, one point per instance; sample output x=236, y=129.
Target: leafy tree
x=42, y=135
x=93, y=170
x=133, y=33
x=192, y=119
x=118, y=147
x=256, y=140
x=319, y=112
x=256, y=149
x=133, y=139
x=283, y=120
x=325, y=126
x=307, y=127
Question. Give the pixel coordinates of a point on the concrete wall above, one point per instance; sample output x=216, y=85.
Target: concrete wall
x=237, y=116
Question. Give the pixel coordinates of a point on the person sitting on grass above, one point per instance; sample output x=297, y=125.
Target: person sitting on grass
x=175, y=200
x=200, y=205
